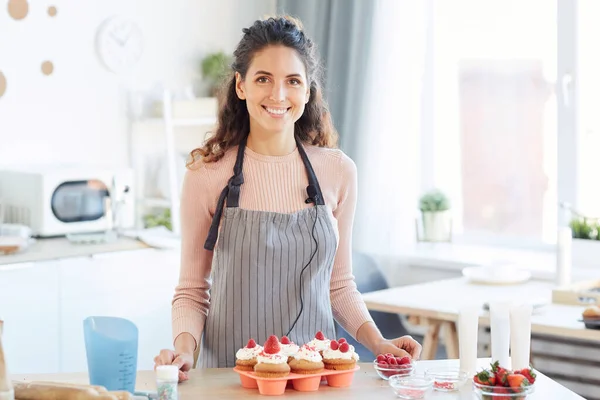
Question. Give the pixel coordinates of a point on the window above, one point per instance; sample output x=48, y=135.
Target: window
x=493, y=103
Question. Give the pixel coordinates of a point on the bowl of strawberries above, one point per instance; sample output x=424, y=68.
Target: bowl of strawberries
x=388, y=365
x=497, y=383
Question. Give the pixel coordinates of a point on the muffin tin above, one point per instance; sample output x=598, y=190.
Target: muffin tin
x=299, y=382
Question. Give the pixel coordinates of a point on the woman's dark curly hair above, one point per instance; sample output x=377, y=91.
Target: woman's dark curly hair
x=314, y=126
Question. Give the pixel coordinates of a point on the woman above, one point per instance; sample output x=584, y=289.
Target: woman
x=280, y=198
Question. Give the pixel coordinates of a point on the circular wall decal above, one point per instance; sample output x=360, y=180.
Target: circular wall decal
x=47, y=67
x=18, y=9
x=2, y=84
x=52, y=11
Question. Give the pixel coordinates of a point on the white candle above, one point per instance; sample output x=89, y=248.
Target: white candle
x=500, y=333
x=563, y=256
x=520, y=335
x=468, y=326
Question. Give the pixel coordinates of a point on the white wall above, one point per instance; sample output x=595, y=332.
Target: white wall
x=78, y=114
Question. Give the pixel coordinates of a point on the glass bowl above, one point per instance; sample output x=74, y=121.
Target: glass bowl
x=391, y=370
x=410, y=387
x=485, y=392
x=446, y=379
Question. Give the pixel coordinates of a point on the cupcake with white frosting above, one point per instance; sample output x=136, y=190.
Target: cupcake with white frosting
x=340, y=356
x=246, y=356
x=320, y=342
x=288, y=348
x=307, y=361
x=271, y=363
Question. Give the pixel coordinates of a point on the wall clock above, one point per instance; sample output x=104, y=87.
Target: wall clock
x=119, y=44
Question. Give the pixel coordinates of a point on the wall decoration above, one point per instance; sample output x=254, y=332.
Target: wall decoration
x=2, y=84
x=52, y=11
x=47, y=67
x=119, y=44
x=18, y=9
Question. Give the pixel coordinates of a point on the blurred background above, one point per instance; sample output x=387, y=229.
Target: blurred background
x=473, y=123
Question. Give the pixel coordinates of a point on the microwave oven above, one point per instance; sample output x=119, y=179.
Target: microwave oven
x=55, y=201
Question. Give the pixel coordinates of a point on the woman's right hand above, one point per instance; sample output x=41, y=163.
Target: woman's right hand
x=183, y=360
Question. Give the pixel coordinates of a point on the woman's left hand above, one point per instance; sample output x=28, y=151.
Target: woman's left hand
x=400, y=347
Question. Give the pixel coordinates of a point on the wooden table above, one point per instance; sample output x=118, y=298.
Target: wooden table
x=212, y=383
x=436, y=305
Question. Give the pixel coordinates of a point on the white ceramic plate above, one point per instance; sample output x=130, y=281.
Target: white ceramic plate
x=496, y=275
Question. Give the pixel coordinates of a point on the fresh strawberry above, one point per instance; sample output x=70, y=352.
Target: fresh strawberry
x=500, y=373
x=319, y=335
x=516, y=381
x=528, y=373
x=341, y=340
x=485, y=377
x=251, y=344
x=404, y=360
x=381, y=358
x=392, y=361
x=344, y=347
x=272, y=345
x=285, y=340
x=334, y=345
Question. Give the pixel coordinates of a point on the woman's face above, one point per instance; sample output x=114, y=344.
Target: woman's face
x=275, y=89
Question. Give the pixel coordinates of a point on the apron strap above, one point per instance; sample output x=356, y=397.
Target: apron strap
x=231, y=193
x=313, y=189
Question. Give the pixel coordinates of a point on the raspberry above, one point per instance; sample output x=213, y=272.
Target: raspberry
x=344, y=347
x=272, y=345
x=334, y=345
x=285, y=340
x=342, y=340
x=251, y=344
x=319, y=335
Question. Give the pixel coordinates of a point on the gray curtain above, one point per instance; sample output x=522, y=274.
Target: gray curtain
x=342, y=30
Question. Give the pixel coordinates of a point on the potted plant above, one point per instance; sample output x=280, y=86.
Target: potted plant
x=215, y=67
x=585, y=232
x=435, y=216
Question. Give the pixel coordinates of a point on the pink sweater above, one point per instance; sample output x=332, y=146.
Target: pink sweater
x=271, y=183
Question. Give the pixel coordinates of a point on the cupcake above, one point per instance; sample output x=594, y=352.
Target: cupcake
x=340, y=356
x=246, y=356
x=320, y=342
x=307, y=361
x=592, y=313
x=270, y=363
x=288, y=348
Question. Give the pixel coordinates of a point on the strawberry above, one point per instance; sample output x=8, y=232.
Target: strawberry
x=341, y=340
x=500, y=373
x=251, y=344
x=502, y=393
x=334, y=345
x=285, y=340
x=319, y=335
x=528, y=373
x=404, y=360
x=272, y=345
x=485, y=377
x=344, y=347
x=516, y=381
x=381, y=358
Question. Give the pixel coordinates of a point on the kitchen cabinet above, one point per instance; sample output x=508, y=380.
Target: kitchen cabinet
x=29, y=305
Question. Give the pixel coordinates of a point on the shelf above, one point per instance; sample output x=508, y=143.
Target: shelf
x=182, y=121
x=155, y=201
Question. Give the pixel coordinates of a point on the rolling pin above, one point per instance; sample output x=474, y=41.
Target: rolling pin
x=39, y=390
x=6, y=390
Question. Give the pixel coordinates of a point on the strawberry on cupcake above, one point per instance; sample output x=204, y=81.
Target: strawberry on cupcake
x=340, y=355
x=246, y=356
x=320, y=342
x=307, y=361
x=270, y=362
x=288, y=348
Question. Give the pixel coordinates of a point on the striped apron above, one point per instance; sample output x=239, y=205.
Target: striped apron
x=270, y=272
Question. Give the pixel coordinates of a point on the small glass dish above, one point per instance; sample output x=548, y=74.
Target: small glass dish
x=410, y=387
x=446, y=379
x=391, y=370
x=485, y=392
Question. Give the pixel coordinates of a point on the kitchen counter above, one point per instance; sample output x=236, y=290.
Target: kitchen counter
x=213, y=383
x=61, y=247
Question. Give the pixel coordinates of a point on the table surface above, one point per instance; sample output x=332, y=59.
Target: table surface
x=442, y=299
x=213, y=383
